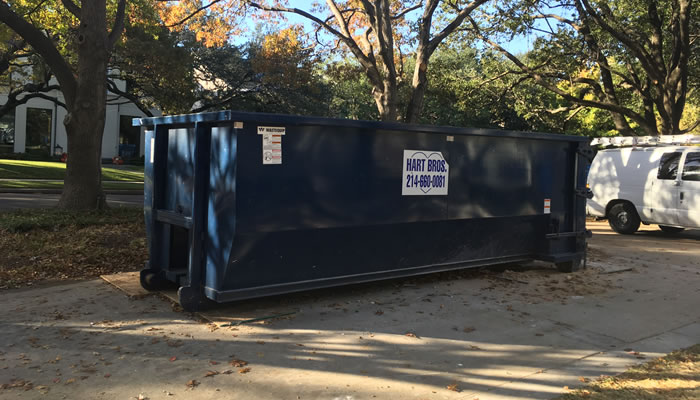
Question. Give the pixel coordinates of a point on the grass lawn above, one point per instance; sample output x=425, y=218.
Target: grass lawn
x=22, y=170
x=50, y=245
x=675, y=376
x=20, y=184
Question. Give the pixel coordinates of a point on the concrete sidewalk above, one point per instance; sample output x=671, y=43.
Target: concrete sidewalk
x=513, y=335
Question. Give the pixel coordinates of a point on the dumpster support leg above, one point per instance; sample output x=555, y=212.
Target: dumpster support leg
x=192, y=296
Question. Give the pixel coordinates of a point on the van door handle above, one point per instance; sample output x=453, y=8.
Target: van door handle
x=682, y=196
x=676, y=183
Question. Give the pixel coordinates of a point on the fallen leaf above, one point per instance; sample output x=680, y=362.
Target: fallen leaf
x=244, y=370
x=260, y=341
x=453, y=387
x=227, y=372
x=411, y=334
x=238, y=363
x=583, y=379
x=108, y=375
x=211, y=373
x=70, y=380
x=468, y=329
x=214, y=362
x=173, y=358
x=192, y=383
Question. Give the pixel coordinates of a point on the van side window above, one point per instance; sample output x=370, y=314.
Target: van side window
x=691, y=170
x=668, y=166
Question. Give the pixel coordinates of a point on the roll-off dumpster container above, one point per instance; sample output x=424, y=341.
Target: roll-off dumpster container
x=242, y=205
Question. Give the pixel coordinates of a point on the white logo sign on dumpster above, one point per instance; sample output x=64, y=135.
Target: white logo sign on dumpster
x=271, y=143
x=425, y=173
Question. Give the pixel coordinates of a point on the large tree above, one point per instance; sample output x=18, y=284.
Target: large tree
x=631, y=58
x=82, y=76
x=379, y=34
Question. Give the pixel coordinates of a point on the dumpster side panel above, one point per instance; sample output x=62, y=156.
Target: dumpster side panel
x=221, y=203
x=331, y=177
x=334, y=208
x=179, y=185
x=313, y=257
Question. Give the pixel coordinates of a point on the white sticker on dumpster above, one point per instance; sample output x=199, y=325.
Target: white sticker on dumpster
x=425, y=173
x=271, y=143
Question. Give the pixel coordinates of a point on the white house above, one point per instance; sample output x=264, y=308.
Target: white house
x=37, y=127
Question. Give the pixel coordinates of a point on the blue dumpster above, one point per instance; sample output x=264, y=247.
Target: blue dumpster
x=243, y=205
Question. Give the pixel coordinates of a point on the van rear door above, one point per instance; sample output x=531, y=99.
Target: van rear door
x=665, y=190
x=689, y=191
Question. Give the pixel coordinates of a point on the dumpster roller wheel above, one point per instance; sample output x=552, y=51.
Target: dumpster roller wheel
x=152, y=280
x=193, y=299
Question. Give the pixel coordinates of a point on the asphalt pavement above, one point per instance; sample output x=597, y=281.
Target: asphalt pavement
x=14, y=201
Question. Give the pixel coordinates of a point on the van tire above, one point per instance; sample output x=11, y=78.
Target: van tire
x=623, y=218
x=671, y=229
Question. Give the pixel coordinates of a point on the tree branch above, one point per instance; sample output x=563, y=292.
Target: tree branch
x=406, y=11
x=193, y=14
x=540, y=80
x=135, y=100
x=44, y=46
x=463, y=14
x=364, y=59
x=72, y=8
x=118, y=26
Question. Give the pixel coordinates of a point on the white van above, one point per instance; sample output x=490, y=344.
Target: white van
x=652, y=185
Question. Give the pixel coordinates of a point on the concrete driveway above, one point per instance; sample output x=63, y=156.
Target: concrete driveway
x=516, y=334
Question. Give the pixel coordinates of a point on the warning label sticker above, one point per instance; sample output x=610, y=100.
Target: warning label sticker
x=547, y=206
x=425, y=173
x=271, y=143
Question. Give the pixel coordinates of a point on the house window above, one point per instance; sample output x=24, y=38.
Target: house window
x=38, y=131
x=7, y=132
x=129, y=137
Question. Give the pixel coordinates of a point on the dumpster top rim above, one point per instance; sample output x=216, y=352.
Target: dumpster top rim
x=219, y=118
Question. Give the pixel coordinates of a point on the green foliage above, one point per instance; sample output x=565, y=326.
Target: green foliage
x=158, y=67
x=350, y=91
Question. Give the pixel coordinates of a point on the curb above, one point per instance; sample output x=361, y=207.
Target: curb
x=59, y=191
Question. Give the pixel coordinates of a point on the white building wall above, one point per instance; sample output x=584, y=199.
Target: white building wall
x=20, y=128
x=110, y=138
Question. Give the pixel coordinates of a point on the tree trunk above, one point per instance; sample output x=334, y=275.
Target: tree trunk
x=419, y=86
x=386, y=98
x=85, y=120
